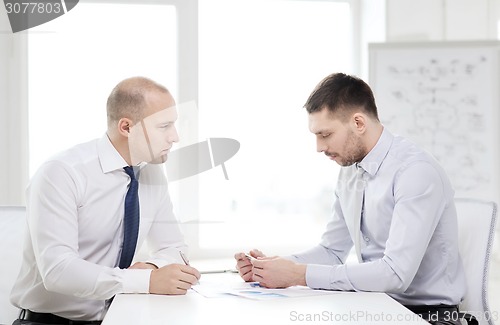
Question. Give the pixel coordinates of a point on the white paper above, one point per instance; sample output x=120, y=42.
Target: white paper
x=253, y=290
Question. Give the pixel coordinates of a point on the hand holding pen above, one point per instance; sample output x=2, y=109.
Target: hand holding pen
x=173, y=279
x=184, y=257
x=186, y=261
x=244, y=263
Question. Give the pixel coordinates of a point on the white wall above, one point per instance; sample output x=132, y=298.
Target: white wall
x=13, y=115
x=373, y=29
x=442, y=20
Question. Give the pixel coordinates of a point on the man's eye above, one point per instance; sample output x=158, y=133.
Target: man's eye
x=325, y=135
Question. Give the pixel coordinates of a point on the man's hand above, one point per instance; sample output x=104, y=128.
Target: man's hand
x=244, y=265
x=173, y=279
x=277, y=272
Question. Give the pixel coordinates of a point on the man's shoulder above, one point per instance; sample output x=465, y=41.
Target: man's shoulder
x=407, y=155
x=74, y=157
x=406, y=150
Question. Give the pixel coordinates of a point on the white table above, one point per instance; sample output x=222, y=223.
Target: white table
x=193, y=308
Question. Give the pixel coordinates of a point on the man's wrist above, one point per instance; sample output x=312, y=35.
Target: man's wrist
x=301, y=274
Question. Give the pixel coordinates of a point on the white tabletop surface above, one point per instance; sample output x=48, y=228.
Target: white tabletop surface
x=193, y=308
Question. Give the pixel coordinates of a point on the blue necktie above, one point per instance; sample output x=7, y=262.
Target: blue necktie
x=130, y=220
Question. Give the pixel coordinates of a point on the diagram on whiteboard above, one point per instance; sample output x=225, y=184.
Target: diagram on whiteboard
x=443, y=101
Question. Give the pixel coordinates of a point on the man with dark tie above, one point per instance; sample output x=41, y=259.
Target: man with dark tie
x=91, y=208
x=393, y=203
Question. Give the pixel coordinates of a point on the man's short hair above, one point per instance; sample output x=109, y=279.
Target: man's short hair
x=342, y=95
x=128, y=99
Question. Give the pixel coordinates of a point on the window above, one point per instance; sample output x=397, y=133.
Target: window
x=76, y=60
x=259, y=61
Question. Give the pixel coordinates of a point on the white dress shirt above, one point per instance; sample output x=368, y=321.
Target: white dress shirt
x=75, y=208
x=409, y=236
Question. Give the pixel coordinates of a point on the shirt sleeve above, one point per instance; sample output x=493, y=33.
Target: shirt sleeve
x=419, y=203
x=53, y=198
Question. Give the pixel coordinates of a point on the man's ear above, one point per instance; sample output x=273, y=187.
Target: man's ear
x=359, y=122
x=124, y=125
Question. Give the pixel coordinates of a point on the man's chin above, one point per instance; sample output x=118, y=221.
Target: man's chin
x=344, y=163
x=159, y=160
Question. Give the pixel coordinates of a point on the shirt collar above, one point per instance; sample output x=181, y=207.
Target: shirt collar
x=372, y=161
x=109, y=158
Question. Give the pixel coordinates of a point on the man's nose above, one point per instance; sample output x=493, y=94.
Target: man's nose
x=174, y=135
x=320, y=145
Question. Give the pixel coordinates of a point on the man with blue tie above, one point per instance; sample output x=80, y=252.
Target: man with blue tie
x=90, y=209
x=393, y=203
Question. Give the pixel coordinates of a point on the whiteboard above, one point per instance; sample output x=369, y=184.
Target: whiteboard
x=445, y=97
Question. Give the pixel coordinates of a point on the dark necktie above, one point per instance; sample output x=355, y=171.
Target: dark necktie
x=130, y=220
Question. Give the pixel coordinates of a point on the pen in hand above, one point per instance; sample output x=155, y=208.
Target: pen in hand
x=184, y=258
x=250, y=257
x=186, y=261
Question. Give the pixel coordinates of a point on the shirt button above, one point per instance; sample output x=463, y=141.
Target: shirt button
x=366, y=239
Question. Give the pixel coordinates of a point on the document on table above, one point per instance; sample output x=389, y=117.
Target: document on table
x=253, y=290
